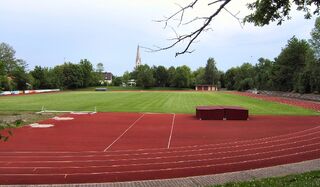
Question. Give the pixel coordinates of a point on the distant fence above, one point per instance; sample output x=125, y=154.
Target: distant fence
x=19, y=92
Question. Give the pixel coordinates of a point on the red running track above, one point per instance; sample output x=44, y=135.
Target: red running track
x=289, y=101
x=109, y=147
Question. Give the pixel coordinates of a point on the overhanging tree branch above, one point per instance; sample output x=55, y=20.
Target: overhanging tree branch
x=193, y=35
x=263, y=12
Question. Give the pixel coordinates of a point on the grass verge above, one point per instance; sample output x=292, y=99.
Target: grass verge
x=309, y=179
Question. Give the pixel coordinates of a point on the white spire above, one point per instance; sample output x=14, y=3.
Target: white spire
x=138, y=58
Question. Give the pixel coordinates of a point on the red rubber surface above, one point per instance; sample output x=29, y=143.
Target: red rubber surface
x=106, y=147
x=294, y=102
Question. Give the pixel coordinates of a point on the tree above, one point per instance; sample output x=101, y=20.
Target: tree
x=182, y=77
x=40, y=77
x=211, y=75
x=7, y=58
x=87, y=69
x=171, y=76
x=263, y=78
x=263, y=12
x=266, y=11
x=290, y=64
x=315, y=38
x=144, y=76
x=230, y=78
x=100, y=68
x=12, y=70
x=126, y=77
x=199, y=76
x=161, y=76
x=244, y=77
x=240, y=78
x=73, y=75
x=117, y=81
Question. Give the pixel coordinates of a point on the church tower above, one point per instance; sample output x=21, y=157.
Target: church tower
x=138, y=58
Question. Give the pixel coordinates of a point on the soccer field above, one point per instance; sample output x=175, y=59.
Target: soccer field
x=141, y=101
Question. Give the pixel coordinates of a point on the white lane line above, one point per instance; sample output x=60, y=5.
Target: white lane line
x=172, y=125
x=166, y=162
x=180, y=147
x=175, y=156
x=123, y=133
x=171, y=168
x=196, y=149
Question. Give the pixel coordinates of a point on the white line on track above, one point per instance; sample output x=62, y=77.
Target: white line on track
x=196, y=149
x=178, y=147
x=172, y=125
x=179, y=156
x=169, y=169
x=123, y=133
x=163, y=163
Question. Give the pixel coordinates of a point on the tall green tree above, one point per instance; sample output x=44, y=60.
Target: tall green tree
x=315, y=38
x=211, y=74
x=263, y=71
x=291, y=63
x=230, y=78
x=13, y=71
x=161, y=76
x=182, y=77
x=171, y=76
x=126, y=77
x=40, y=76
x=144, y=76
x=244, y=77
x=87, y=69
x=199, y=76
x=73, y=75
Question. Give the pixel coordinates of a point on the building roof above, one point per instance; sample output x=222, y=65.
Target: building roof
x=107, y=75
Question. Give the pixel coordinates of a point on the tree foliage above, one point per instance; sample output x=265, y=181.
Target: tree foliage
x=315, y=38
x=161, y=76
x=13, y=74
x=290, y=64
x=266, y=11
x=211, y=74
x=144, y=76
x=182, y=77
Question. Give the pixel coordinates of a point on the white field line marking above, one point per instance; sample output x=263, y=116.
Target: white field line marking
x=162, y=163
x=172, y=125
x=180, y=147
x=175, y=156
x=157, y=113
x=172, y=168
x=185, y=151
x=123, y=133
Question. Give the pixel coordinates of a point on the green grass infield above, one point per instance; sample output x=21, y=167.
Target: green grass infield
x=143, y=101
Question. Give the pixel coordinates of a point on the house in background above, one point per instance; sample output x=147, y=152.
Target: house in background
x=107, y=77
x=206, y=88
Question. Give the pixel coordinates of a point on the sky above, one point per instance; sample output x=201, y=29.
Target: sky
x=50, y=32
